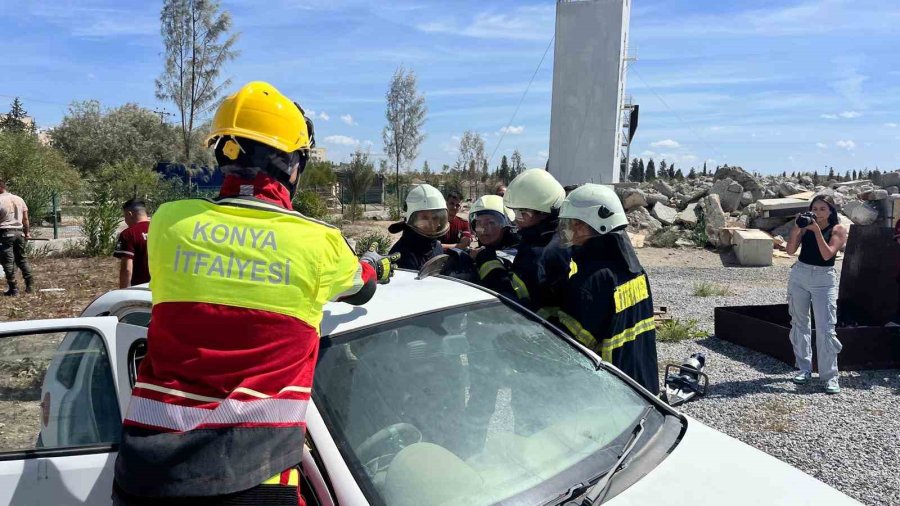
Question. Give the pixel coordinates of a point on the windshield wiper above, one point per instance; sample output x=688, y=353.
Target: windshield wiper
x=597, y=492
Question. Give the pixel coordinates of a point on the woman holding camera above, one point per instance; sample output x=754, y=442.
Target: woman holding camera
x=814, y=282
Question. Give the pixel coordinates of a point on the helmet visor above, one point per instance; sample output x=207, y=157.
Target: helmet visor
x=566, y=232
x=431, y=223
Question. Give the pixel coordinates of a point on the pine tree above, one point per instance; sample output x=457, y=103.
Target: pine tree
x=692, y=174
x=672, y=171
x=794, y=174
x=651, y=170
x=815, y=178
x=830, y=173
x=503, y=173
x=847, y=176
x=784, y=174
x=662, y=172
x=875, y=176
x=704, y=168
x=633, y=174
x=14, y=120
x=642, y=172
x=679, y=175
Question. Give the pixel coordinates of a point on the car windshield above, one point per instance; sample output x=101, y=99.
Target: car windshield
x=473, y=405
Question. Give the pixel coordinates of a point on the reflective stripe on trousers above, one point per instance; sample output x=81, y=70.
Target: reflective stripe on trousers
x=816, y=287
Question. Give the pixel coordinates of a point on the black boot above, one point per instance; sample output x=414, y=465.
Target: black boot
x=13, y=290
x=29, y=286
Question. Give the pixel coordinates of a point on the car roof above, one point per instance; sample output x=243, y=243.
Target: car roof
x=403, y=296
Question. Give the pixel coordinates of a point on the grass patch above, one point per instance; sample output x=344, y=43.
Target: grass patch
x=672, y=331
x=704, y=289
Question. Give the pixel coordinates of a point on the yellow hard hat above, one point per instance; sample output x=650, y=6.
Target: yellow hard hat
x=258, y=111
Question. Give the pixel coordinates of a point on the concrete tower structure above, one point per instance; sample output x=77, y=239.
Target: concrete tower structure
x=587, y=143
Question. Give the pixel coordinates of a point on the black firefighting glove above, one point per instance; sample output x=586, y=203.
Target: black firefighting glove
x=384, y=265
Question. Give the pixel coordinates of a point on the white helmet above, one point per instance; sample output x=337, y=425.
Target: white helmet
x=534, y=189
x=596, y=205
x=492, y=204
x=427, y=211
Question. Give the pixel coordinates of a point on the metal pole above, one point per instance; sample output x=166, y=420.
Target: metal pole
x=55, y=205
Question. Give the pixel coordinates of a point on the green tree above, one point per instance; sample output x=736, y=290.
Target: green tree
x=634, y=172
x=847, y=176
x=692, y=174
x=854, y=175
x=679, y=175
x=516, y=166
x=651, y=171
x=360, y=175
x=197, y=44
x=426, y=171
x=91, y=137
x=504, y=171
x=704, y=169
x=405, y=116
x=35, y=171
x=662, y=171
x=672, y=171
x=642, y=171
x=16, y=120
x=318, y=174
x=830, y=173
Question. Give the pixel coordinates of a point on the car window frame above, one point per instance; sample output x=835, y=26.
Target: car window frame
x=65, y=451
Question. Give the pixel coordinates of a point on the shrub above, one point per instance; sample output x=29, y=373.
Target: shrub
x=704, y=289
x=671, y=331
x=308, y=203
x=383, y=242
x=699, y=237
x=353, y=212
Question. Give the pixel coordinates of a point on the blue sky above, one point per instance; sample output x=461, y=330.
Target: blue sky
x=768, y=85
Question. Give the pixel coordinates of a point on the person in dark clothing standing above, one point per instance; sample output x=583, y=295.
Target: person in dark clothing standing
x=536, y=276
x=131, y=246
x=426, y=221
x=608, y=305
x=14, y=235
x=814, y=282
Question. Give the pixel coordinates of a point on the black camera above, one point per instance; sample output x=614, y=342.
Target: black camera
x=805, y=219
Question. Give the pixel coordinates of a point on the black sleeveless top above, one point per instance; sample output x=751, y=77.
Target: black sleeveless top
x=809, y=248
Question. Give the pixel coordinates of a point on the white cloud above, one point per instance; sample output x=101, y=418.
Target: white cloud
x=342, y=140
x=513, y=130
x=850, y=114
x=828, y=116
x=822, y=145
x=543, y=154
x=891, y=125
x=524, y=23
x=324, y=116
x=846, y=144
x=667, y=143
x=348, y=119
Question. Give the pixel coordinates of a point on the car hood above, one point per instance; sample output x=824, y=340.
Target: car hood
x=711, y=468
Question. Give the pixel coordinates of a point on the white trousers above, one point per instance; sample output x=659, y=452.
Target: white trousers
x=815, y=286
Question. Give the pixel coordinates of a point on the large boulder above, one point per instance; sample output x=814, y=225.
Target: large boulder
x=874, y=195
x=639, y=220
x=714, y=217
x=892, y=190
x=806, y=180
x=890, y=179
x=861, y=213
x=771, y=222
x=663, y=187
x=729, y=193
x=747, y=199
x=656, y=198
x=665, y=214
x=787, y=188
x=741, y=176
x=632, y=198
x=688, y=217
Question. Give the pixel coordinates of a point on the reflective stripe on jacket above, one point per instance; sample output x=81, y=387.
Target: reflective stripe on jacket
x=610, y=310
x=238, y=288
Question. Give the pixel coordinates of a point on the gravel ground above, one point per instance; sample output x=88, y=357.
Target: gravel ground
x=850, y=441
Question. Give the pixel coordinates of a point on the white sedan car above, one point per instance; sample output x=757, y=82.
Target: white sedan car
x=436, y=392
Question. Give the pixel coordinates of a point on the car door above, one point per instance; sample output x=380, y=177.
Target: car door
x=61, y=408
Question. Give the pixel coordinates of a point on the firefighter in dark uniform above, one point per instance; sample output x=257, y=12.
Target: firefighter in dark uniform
x=608, y=305
x=426, y=222
x=537, y=275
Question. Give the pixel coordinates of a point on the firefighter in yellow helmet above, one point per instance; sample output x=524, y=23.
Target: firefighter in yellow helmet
x=218, y=411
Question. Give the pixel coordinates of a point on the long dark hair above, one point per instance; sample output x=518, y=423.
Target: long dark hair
x=833, y=217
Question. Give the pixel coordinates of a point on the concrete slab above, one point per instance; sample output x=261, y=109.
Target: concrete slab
x=753, y=247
